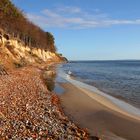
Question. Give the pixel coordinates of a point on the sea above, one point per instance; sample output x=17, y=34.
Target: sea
x=120, y=79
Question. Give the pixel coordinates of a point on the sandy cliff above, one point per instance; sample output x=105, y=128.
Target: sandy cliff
x=14, y=52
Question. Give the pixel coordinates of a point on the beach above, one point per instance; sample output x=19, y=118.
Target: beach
x=69, y=70
x=99, y=116
x=28, y=110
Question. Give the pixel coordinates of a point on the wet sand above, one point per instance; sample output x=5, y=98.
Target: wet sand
x=105, y=122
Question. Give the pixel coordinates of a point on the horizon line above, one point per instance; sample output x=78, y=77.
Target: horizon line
x=108, y=60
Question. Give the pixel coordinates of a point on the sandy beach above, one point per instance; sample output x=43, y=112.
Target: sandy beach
x=100, y=120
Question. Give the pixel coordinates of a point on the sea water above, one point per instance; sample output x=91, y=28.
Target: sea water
x=120, y=79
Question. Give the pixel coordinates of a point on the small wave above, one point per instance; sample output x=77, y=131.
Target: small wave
x=116, y=78
x=123, y=106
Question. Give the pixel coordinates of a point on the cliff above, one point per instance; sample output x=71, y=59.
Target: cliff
x=21, y=41
x=13, y=52
x=14, y=22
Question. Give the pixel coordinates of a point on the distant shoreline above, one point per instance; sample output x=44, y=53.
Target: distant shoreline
x=104, y=60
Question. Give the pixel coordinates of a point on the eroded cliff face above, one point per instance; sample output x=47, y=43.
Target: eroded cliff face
x=13, y=51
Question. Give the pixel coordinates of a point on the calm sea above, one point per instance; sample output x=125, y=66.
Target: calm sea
x=120, y=79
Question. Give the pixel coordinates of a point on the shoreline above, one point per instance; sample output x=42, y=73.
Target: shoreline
x=103, y=115
x=113, y=103
x=107, y=100
x=100, y=120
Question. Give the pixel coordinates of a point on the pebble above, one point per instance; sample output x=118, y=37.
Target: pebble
x=28, y=111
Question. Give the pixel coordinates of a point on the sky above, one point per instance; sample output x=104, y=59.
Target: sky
x=89, y=29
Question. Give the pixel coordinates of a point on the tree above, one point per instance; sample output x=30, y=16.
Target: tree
x=14, y=22
x=50, y=42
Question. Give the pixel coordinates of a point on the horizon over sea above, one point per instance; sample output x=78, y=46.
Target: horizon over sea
x=118, y=78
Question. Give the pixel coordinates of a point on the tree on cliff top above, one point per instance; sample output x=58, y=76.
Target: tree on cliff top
x=50, y=41
x=13, y=21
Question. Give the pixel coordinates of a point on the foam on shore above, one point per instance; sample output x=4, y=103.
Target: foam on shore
x=103, y=98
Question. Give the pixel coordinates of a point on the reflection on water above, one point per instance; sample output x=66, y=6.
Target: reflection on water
x=59, y=90
x=49, y=75
x=52, y=81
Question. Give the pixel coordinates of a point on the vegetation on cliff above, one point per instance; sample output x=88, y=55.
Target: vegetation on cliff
x=15, y=23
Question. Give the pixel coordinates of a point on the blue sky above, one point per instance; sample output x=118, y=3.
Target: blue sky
x=89, y=29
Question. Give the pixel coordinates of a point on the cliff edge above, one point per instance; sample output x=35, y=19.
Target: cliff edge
x=14, y=53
